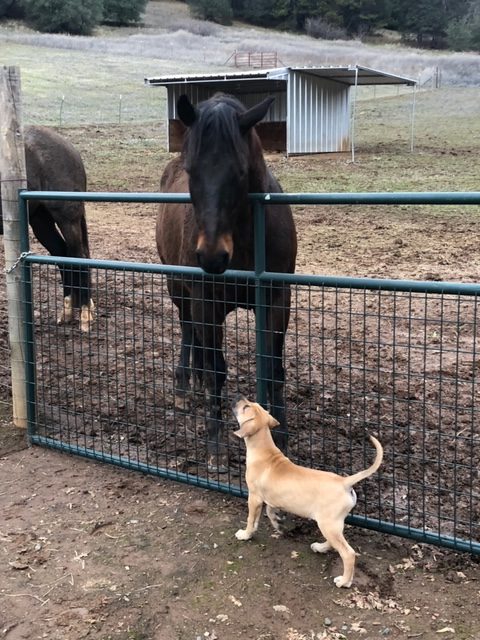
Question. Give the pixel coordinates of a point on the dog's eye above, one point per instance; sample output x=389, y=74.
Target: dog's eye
x=245, y=407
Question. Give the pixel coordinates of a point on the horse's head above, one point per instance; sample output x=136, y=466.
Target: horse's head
x=217, y=158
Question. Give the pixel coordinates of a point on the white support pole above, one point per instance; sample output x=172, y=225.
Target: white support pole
x=354, y=113
x=412, y=132
x=13, y=177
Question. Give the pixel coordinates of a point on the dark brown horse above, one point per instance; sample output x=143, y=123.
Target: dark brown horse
x=221, y=163
x=53, y=164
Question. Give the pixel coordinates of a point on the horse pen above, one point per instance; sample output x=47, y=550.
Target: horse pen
x=396, y=357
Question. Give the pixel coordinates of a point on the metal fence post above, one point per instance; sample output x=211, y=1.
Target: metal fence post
x=260, y=302
x=27, y=318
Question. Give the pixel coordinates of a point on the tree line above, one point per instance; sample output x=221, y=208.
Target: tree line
x=434, y=23
x=77, y=17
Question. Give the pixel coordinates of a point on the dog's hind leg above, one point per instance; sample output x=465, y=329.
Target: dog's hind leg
x=255, y=504
x=333, y=534
x=320, y=547
x=275, y=518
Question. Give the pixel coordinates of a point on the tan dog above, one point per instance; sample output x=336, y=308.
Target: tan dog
x=274, y=480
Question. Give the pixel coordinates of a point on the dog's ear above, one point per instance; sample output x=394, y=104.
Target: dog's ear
x=272, y=422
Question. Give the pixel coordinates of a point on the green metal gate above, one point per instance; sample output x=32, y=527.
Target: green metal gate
x=396, y=357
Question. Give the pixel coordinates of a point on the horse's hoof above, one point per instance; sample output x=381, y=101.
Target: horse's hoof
x=213, y=468
x=217, y=464
x=67, y=312
x=87, y=316
x=181, y=400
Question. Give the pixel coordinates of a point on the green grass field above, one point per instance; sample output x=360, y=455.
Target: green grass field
x=88, y=83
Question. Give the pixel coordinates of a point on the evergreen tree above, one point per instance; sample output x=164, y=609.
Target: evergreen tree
x=237, y=8
x=360, y=16
x=300, y=10
x=428, y=19
x=214, y=10
x=353, y=15
x=78, y=17
x=122, y=12
x=259, y=12
x=463, y=34
x=5, y=7
x=458, y=35
x=11, y=9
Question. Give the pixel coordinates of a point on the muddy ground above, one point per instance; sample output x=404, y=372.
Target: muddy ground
x=91, y=551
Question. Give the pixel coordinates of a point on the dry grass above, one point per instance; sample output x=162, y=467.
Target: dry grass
x=176, y=42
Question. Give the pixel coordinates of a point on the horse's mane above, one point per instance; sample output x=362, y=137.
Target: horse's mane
x=217, y=129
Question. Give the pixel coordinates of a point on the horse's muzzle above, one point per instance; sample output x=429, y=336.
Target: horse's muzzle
x=214, y=254
x=215, y=264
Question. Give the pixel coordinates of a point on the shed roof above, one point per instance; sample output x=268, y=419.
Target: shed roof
x=350, y=75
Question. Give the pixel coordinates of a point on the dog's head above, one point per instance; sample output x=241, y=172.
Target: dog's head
x=251, y=417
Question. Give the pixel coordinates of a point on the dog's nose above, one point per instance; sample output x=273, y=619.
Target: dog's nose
x=236, y=399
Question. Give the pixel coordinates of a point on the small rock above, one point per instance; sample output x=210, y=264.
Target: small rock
x=19, y=566
x=281, y=608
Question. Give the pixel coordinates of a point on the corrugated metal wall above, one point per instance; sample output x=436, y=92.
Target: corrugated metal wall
x=316, y=110
x=199, y=92
x=318, y=115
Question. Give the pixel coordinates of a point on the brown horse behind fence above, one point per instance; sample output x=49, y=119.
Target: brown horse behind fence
x=53, y=164
x=221, y=163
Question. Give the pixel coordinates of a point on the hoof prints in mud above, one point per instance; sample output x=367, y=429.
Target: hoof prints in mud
x=400, y=365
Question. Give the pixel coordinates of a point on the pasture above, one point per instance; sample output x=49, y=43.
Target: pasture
x=98, y=562
x=94, y=552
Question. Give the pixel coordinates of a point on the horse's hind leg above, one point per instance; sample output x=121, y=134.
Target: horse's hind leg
x=72, y=224
x=47, y=234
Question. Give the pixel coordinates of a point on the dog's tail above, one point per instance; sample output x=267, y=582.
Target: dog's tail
x=361, y=475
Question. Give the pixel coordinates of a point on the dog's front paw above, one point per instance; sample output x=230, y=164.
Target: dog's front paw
x=340, y=581
x=320, y=547
x=242, y=534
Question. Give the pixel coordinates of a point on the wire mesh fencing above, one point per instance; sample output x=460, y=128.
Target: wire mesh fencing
x=93, y=106
x=399, y=362
x=5, y=376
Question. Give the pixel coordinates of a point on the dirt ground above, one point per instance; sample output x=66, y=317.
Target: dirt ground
x=91, y=551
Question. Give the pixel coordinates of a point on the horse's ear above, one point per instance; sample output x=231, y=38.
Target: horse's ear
x=186, y=111
x=250, y=118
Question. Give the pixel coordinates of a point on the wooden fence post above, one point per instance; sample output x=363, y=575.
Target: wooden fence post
x=13, y=177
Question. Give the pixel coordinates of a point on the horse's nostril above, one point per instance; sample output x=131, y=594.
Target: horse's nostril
x=224, y=259
x=216, y=263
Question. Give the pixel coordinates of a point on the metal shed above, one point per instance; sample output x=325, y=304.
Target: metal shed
x=314, y=110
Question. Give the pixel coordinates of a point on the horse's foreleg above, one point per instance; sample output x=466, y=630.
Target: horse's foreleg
x=278, y=316
x=209, y=334
x=215, y=374
x=276, y=384
x=182, y=370
x=181, y=299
